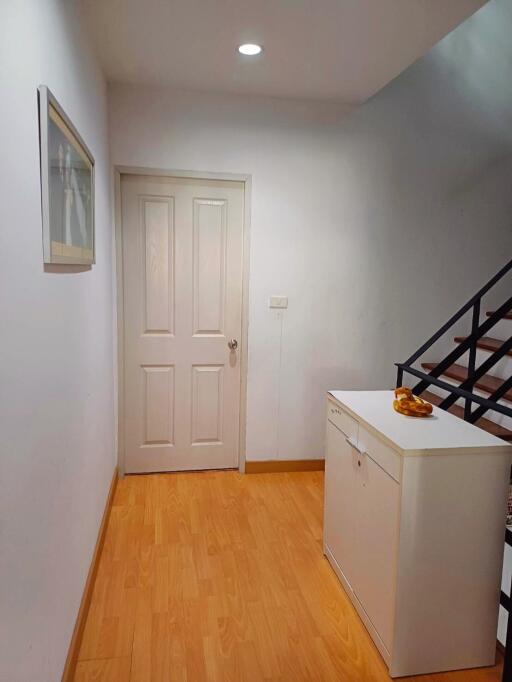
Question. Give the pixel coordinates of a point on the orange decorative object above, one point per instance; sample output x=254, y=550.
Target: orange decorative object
x=409, y=404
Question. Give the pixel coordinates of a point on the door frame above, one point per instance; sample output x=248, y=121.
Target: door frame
x=120, y=170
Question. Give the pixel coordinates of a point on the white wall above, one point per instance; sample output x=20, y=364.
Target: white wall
x=378, y=226
x=290, y=150
x=427, y=169
x=56, y=351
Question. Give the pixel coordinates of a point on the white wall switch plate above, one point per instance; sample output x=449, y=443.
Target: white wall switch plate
x=278, y=302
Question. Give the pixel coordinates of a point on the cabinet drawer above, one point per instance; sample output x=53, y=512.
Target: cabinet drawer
x=341, y=419
x=382, y=454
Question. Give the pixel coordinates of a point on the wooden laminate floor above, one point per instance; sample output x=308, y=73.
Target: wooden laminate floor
x=220, y=577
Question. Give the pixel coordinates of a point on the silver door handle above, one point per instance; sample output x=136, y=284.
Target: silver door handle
x=233, y=344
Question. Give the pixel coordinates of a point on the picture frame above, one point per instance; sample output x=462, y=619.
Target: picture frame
x=67, y=187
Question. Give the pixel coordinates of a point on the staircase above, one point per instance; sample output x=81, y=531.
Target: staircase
x=484, y=386
x=474, y=379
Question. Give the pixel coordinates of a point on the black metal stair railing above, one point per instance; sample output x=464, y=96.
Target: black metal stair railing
x=466, y=389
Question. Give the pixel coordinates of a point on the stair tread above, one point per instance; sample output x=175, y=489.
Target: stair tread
x=488, y=383
x=507, y=316
x=483, y=423
x=486, y=343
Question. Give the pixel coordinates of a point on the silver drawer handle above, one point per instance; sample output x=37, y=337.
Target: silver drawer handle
x=354, y=445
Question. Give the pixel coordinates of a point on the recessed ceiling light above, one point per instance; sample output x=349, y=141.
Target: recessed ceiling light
x=250, y=49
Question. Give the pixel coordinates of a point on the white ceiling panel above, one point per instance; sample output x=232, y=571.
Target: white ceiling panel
x=340, y=50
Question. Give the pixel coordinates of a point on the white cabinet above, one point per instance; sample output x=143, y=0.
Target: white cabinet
x=361, y=523
x=413, y=527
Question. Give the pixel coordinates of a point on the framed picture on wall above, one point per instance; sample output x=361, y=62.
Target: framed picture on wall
x=67, y=187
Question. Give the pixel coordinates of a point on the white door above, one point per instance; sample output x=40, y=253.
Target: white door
x=182, y=278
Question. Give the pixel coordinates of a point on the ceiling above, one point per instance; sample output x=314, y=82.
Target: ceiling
x=339, y=50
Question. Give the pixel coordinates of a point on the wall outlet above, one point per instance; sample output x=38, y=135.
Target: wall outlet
x=278, y=302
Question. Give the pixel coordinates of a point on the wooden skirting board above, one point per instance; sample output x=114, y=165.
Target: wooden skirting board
x=76, y=639
x=273, y=466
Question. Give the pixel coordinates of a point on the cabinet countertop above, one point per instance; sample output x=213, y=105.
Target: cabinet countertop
x=442, y=432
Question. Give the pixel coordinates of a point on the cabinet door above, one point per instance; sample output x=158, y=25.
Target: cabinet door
x=376, y=537
x=340, y=493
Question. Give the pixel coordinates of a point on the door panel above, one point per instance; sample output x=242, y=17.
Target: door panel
x=159, y=404
x=340, y=496
x=182, y=274
x=375, y=554
x=207, y=404
x=158, y=225
x=209, y=266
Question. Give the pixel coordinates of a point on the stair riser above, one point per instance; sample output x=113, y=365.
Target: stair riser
x=503, y=368
x=501, y=419
x=501, y=330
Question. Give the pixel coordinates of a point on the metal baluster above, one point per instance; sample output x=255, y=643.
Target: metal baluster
x=399, y=377
x=472, y=357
